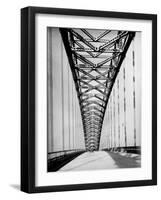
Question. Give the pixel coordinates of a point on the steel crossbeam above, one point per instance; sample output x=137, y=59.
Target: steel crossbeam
x=95, y=57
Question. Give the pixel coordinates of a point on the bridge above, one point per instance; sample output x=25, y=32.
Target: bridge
x=94, y=96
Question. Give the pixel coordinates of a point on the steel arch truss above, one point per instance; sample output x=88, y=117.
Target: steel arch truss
x=95, y=57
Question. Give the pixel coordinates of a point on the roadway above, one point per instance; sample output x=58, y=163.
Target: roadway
x=102, y=160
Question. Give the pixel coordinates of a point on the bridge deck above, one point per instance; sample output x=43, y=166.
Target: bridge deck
x=102, y=160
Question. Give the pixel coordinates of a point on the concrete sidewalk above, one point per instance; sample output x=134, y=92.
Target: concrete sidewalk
x=100, y=160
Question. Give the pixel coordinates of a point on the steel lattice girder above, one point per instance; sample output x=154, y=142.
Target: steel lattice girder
x=95, y=57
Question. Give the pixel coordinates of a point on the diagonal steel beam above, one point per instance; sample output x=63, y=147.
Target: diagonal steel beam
x=94, y=77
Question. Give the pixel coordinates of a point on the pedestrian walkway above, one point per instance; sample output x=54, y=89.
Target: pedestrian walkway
x=100, y=160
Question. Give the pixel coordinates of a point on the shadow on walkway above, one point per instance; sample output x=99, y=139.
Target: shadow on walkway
x=55, y=164
x=124, y=161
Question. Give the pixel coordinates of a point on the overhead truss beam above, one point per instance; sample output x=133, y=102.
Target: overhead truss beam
x=95, y=59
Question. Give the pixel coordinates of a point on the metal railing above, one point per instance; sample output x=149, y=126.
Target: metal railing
x=60, y=154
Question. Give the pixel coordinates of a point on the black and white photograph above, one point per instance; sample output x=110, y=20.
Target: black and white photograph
x=93, y=99
x=89, y=99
